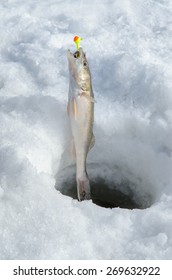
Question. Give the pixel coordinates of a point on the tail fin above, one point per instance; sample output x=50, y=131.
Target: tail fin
x=83, y=188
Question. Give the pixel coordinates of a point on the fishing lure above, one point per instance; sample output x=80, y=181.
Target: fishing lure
x=77, y=41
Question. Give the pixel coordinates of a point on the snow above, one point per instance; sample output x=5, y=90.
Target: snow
x=129, y=51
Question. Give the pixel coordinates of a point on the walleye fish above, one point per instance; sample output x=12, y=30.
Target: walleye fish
x=81, y=114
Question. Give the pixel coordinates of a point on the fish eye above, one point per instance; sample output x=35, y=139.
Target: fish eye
x=76, y=54
x=85, y=63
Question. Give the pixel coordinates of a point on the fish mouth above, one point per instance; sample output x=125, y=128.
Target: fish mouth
x=76, y=55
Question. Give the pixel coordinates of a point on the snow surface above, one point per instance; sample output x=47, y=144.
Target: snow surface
x=128, y=45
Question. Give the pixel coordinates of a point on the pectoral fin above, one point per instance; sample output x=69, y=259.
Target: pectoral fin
x=90, y=98
x=74, y=108
x=92, y=143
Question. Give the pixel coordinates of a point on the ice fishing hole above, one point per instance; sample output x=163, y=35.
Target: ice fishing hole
x=105, y=193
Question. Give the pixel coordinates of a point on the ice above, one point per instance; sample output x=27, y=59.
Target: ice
x=129, y=51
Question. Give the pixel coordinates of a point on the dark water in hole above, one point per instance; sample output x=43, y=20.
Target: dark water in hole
x=108, y=196
x=111, y=198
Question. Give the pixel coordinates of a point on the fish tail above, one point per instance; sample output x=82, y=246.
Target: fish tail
x=83, y=188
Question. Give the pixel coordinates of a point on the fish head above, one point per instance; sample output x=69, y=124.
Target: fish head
x=78, y=67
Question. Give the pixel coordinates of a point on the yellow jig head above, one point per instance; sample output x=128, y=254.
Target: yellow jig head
x=77, y=41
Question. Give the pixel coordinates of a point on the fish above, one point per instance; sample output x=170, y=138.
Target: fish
x=80, y=110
